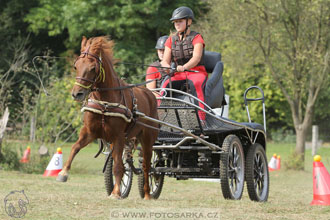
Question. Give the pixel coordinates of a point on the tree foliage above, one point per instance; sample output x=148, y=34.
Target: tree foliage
x=134, y=25
x=290, y=39
x=243, y=67
x=48, y=27
x=256, y=38
x=18, y=48
x=56, y=113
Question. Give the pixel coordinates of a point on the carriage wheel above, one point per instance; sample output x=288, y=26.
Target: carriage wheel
x=126, y=182
x=232, y=168
x=156, y=180
x=257, y=175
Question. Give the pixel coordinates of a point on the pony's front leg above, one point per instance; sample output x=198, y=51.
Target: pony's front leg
x=84, y=140
x=118, y=168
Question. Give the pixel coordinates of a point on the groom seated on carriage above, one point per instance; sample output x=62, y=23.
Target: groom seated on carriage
x=154, y=74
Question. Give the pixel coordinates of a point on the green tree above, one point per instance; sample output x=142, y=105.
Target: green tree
x=291, y=40
x=18, y=48
x=134, y=25
x=243, y=67
x=56, y=113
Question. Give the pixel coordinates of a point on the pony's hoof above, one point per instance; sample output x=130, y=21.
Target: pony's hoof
x=147, y=197
x=115, y=197
x=61, y=178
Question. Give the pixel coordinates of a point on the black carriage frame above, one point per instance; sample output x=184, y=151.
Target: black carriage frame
x=188, y=147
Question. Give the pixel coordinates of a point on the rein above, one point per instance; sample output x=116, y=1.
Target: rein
x=162, y=67
x=123, y=87
x=101, y=75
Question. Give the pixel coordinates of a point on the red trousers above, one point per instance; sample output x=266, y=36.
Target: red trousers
x=198, y=79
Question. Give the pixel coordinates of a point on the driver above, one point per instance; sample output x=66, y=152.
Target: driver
x=186, y=49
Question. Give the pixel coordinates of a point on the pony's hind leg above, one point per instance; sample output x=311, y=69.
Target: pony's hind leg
x=147, y=139
x=84, y=140
x=146, y=169
x=118, y=168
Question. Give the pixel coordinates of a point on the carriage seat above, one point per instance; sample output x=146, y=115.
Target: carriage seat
x=214, y=91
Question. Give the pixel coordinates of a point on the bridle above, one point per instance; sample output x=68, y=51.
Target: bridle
x=101, y=75
x=100, y=71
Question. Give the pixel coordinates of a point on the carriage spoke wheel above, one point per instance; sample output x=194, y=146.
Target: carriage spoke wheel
x=257, y=175
x=126, y=182
x=156, y=180
x=232, y=168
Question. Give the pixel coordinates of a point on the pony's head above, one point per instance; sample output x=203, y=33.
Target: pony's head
x=89, y=65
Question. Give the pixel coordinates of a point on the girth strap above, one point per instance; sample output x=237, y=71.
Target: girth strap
x=108, y=109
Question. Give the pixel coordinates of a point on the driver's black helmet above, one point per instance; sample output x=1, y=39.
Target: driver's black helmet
x=182, y=12
x=160, y=45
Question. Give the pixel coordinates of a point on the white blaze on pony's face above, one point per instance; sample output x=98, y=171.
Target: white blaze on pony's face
x=87, y=69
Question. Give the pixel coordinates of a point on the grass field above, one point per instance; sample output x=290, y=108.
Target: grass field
x=84, y=196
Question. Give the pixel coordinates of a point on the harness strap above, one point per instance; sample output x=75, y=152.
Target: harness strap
x=134, y=109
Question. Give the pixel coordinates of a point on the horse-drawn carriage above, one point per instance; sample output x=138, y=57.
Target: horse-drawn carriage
x=182, y=141
x=190, y=147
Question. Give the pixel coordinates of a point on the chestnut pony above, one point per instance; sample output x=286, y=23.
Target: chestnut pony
x=109, y=112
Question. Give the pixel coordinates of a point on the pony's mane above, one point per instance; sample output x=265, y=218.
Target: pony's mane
x=102, y=45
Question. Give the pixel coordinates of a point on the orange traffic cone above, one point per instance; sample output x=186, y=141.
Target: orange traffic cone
x=272, y=163
x=278, y=162
x=26, y=155
x=55, y=165
x=321, y=183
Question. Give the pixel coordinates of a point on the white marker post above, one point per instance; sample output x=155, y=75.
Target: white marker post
x=315, y=139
